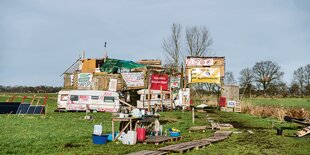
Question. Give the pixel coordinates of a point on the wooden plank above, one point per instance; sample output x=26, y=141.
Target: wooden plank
x=198, y=128
x=222, y=133
x=148, y=152
x=181, y=147
x=161, y=139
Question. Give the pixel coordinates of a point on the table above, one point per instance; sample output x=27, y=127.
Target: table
x=129, y=124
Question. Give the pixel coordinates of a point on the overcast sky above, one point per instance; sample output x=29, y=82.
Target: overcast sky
x=39, y=39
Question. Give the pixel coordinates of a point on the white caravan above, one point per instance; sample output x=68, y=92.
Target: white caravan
x=94, y=100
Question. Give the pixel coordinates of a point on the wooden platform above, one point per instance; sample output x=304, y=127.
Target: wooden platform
x=148, y=152
x=161, y=139
x=186, y=146
x=221, y=126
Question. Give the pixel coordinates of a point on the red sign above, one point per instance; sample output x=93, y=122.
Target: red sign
x=159, y=81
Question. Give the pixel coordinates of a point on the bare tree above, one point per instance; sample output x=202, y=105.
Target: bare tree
x=171, y=46
x=229, y=79
x=307, y=78
x=300, y=78
x=198, y=41
x=246, y=77
x=265, y=73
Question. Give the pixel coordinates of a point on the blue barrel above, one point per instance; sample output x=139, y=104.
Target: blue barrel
x=100, y=139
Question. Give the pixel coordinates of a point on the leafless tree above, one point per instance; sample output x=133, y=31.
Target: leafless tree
x=198, y=41
x=300, y=78
x=265, y=73
x=307, y=78
x=171, y=46
x=229, y=79
x=246, y=77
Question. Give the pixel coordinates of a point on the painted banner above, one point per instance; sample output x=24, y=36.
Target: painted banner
x=85, y=80
x=205, y=75
x=113, y=85
x=159, y=81
x=135, y=79
x=199, y=62
x=175, y=81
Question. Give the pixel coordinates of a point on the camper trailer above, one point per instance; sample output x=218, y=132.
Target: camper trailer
x=93, y=100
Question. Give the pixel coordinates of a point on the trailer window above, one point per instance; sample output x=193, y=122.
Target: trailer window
x=94, y=97
x=64, y=97
x=74, y=97
x=108, y=99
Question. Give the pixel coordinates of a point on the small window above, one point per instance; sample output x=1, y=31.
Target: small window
x=94, y=97
x=108, y=99
x=158, y=96
x=64, y=97
x=74, y=97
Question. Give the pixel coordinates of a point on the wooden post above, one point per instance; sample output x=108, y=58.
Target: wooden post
x=112, y=130
x=34, y=96
x=149, y=99
x=193, y=115
x=171, y=107
x=161, y=98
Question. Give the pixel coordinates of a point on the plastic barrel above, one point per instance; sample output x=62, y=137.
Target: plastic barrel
x=141, y=134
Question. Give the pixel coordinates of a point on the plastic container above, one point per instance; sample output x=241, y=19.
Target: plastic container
x=131, y=137
x=110, y=136
x=141, y=134
x=100, y=139
x=97, y=129
x=174, y=134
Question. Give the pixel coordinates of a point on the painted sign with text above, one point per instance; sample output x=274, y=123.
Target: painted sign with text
x=85, y=80
x=175, y=81
x=205, y=75
x=159, y=81
x=135, y=79
x=199, y=62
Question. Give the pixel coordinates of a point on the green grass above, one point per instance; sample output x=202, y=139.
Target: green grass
x=68, y=133
x=284, y=102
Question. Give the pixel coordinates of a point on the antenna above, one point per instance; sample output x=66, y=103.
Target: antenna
x=106, y=52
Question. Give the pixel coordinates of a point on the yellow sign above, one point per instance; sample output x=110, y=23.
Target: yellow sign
x=205, y=75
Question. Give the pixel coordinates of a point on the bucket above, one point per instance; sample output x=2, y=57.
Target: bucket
x=141, y=134
x=100, y=139
x=131, y=137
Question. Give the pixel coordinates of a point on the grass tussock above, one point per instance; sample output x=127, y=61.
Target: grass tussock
x=275, y=112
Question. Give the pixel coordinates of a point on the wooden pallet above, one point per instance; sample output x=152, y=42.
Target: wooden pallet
x=161, y=139
x=303, y=132
x=186, y=146
x=148, y=152
x=198, y=128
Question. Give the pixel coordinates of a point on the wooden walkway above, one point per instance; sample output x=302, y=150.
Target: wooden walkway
x=187, y=146
x=147, y=152
x=161, y=139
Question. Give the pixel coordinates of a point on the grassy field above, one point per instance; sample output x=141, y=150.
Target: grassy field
x=68, y=133
x=281, y=102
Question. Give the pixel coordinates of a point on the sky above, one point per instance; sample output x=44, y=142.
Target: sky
x=39, y=39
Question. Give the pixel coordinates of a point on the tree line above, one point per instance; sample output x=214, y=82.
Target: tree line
x=29, y=89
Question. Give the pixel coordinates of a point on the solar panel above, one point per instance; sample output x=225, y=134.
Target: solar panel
x=9, y=107
x=39, y=109
x=23, y=108
x=31, y=109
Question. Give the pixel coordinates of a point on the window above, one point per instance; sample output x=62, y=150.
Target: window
x=64, y=97
x=108, y=99
x=94, y=97
x=74, y=97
